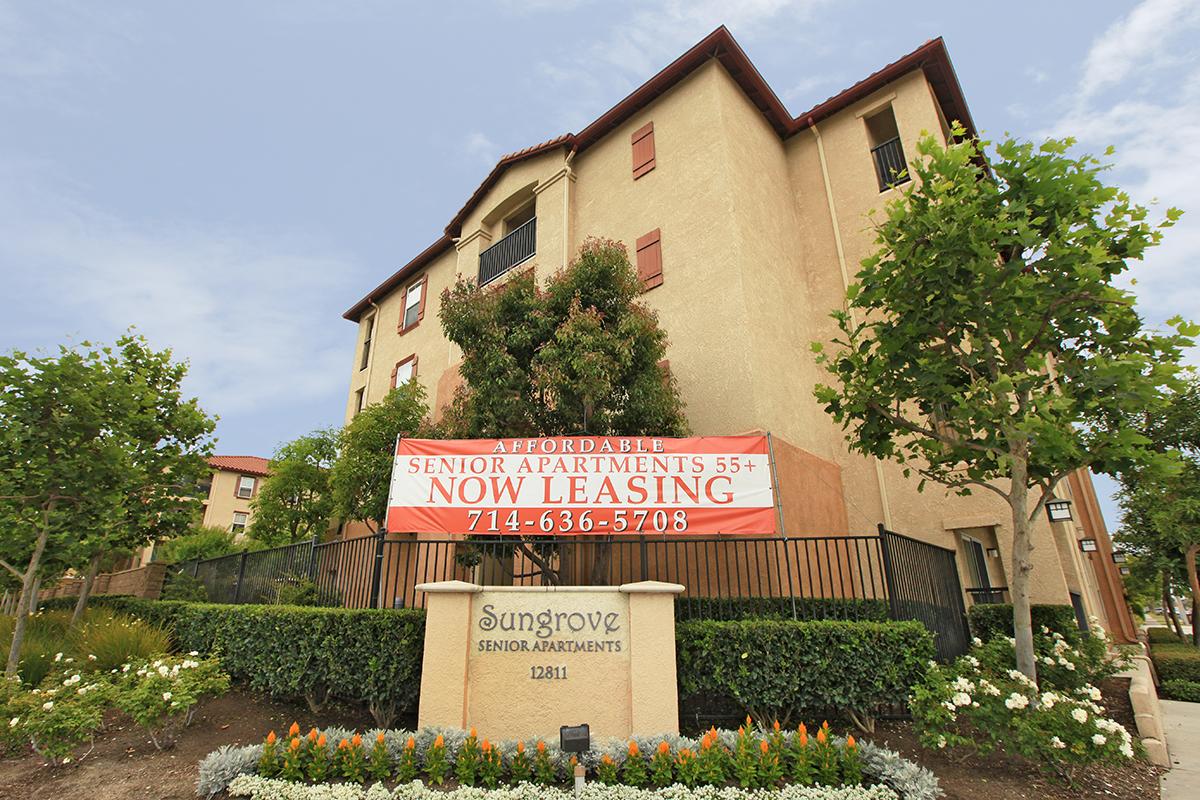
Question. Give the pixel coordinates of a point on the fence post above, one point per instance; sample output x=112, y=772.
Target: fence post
x=195, y=568
x=237, y=587
x=888, y=580
x=377, y=575
x=312, y=557
x=644, y=554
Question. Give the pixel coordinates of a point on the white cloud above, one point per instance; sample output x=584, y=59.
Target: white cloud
x=479, y=146
x=250, y=311
x=1144, y=37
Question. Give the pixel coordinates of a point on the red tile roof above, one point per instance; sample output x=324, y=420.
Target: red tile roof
x=247, y=465
x=930, y=57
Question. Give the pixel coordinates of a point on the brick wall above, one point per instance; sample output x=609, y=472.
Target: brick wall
x=144, y=581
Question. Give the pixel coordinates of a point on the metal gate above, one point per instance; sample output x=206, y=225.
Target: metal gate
x=922, y=581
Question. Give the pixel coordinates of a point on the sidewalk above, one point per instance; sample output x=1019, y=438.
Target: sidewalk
x=1181, y=724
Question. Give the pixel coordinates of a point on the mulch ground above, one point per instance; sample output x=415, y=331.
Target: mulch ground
x=124, y=764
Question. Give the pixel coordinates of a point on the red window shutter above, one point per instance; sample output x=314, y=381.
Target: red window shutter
x=395, y=369
x=649, y=259
x=414, y=362
x=643, y=150
x=421, y=307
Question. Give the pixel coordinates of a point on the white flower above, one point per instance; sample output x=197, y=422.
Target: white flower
x=166, y=695
x=972, y=660
x=163, y=671
x=81, y=690
x=941, y=742
x=12, y=723
x=49, y=704
x=961, y=699
x=989, y=688
x=1070, y=667
x=1048, y=699
x=1079, y=715
x=1057, y=743
x=1127, y=750
x=1093, y=692
x=91, y=657
x=1099, y=739
x=57, y=657
x=1048, y=661
x=67, y=760
x=976, y=641
x=124, y=668
x=1016, y=701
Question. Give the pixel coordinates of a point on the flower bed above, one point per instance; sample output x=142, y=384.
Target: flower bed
x=746, y=759
x=257, y=788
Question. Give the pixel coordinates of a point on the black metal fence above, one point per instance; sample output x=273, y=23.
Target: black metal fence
x=842, y=577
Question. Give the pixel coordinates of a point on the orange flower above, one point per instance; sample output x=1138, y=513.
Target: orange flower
x=411, y=744
x=312, y=735
x=486, y=746
x=541, y=746
x=821, y=737
x=604, y=759
x=748, y=723
x=705, y=742
x=825, y=725
x=573, y=762
x=776, y=726
x=803, y=737
x=356, y=740
x=295, y=744
x=664, y=748
x=439, y=741
x=295, y=729
x=379, y=737
x=763, y=746
x=472, y=732
x=271, y=737
x=803, y=728
x=321, y=740
x=712, y=731
x=343, y=744
x=684, y=755
x=633, y=748
x=521, y=747
x=850, y=745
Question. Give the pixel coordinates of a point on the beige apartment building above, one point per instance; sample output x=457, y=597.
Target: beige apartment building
x=235, y=481
x=746, y=224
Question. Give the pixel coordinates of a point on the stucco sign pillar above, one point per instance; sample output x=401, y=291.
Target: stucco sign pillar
x=518, y=662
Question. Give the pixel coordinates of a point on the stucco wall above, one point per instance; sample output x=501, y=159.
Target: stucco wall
x=223, y=500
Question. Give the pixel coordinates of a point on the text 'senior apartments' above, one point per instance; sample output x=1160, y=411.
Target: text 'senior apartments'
x=746, y=225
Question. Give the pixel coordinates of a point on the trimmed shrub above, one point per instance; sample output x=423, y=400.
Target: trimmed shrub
x=1176, y=662
x=1188, y=691
x=775, y=669
x=1162, y=636
x=372, y=656
x=182, y=586
x=991, y=620
x=805, y=608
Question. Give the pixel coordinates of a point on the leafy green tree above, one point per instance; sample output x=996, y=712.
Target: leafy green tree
x=295, y=501
x=1161, y=513
x=986, y=344
x=362, y=474
x=201, y=542
x=93, y=440
x=580, y=356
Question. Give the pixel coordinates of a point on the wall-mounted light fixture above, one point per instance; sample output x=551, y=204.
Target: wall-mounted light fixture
x=1059, y=510
x=1119, y=558
x=993, y=552
x=1124, y=570
x=1088, y=545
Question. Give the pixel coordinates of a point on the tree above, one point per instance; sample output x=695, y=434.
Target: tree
x=94, y=443
x=295, y=501
x=362, y=474
x=1161, y=513
x=201, y=542
x=985, y=344
x=580, y=356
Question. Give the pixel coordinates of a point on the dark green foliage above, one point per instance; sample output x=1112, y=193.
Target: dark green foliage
x=304, y=592
x=1188, y=691
x=1176, y=662
x=182, y=586
x=804, y=608
x=996, y=619
x=199, y=543
x=775, y=669
x=1162, y=636
x=371, y=656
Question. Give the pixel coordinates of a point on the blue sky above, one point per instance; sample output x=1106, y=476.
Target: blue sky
x=230, y=176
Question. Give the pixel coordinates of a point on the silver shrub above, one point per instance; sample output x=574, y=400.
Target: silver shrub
x=221, y=766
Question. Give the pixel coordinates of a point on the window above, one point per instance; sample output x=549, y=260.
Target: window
x=414, y=305
x=643, y=150
x=245, y=486
x=976, y=564
x=520, y=217
x=369, y=325
x=239, y=522
x=358, y=399
x=888, y=154
x=649, y=259
x=404, y=371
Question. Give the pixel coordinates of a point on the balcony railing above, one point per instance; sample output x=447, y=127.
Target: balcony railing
x=518, y=246
x=889, y=163
x=993, y=595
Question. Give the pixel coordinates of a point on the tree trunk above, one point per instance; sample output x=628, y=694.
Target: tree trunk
x=1194, y=583
x=85, y=591
x=1022, y=564
x=27, y=601
x=1169, y=604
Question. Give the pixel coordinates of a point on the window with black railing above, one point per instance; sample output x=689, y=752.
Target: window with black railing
x=889, y=164
x=517, y=247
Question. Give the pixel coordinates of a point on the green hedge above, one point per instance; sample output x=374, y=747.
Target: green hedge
x=1162, y=636
x=805, y=608
x=1188, y=691
x=991, y=620
x=1176, y=662
x=368, y=656
x=775, y=669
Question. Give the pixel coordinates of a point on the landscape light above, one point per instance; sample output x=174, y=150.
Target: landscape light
x=1059, y=510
